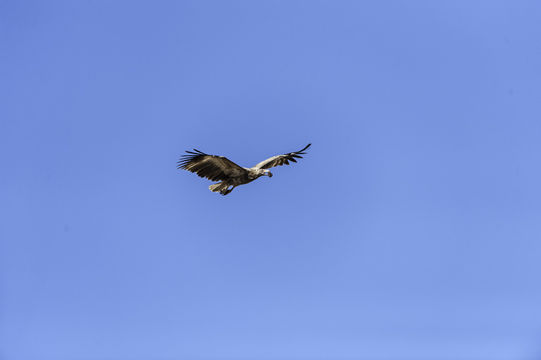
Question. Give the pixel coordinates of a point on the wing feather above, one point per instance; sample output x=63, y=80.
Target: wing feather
x=212, y=167
x=280, y=160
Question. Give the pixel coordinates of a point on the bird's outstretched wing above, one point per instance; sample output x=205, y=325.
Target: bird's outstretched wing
x=212, y=167
x=280, y=160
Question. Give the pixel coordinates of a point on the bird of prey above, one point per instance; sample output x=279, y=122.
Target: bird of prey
x=231, y=175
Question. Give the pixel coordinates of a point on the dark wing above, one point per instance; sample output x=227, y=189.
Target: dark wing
x=280, y=160
x=212, y=167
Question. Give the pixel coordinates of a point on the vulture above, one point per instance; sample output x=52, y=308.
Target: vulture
x=229, y=174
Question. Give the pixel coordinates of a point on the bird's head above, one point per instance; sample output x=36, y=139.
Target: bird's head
x=263, y=172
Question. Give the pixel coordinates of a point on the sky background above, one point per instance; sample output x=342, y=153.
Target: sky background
x=411, y=230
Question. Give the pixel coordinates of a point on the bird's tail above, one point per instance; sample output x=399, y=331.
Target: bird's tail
x=220, y=187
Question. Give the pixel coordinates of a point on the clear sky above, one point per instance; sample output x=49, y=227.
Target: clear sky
x=411, y=230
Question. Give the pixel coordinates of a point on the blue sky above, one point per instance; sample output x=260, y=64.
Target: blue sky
x=411, y=230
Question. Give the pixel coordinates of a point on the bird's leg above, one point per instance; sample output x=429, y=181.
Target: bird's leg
x=228, y=190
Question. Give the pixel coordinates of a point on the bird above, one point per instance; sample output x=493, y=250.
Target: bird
x=229, y=174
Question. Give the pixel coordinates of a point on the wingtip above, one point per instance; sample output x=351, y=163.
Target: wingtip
x=304, y=148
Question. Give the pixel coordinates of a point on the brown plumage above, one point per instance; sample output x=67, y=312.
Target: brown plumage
x=231, y=175
x=280, y=160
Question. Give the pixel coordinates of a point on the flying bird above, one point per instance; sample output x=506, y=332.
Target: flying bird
x=231, y=175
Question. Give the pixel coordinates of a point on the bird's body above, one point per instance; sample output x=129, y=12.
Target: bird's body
x=231, y=175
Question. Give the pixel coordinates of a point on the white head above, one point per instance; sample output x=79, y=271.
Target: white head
x=264, y=172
